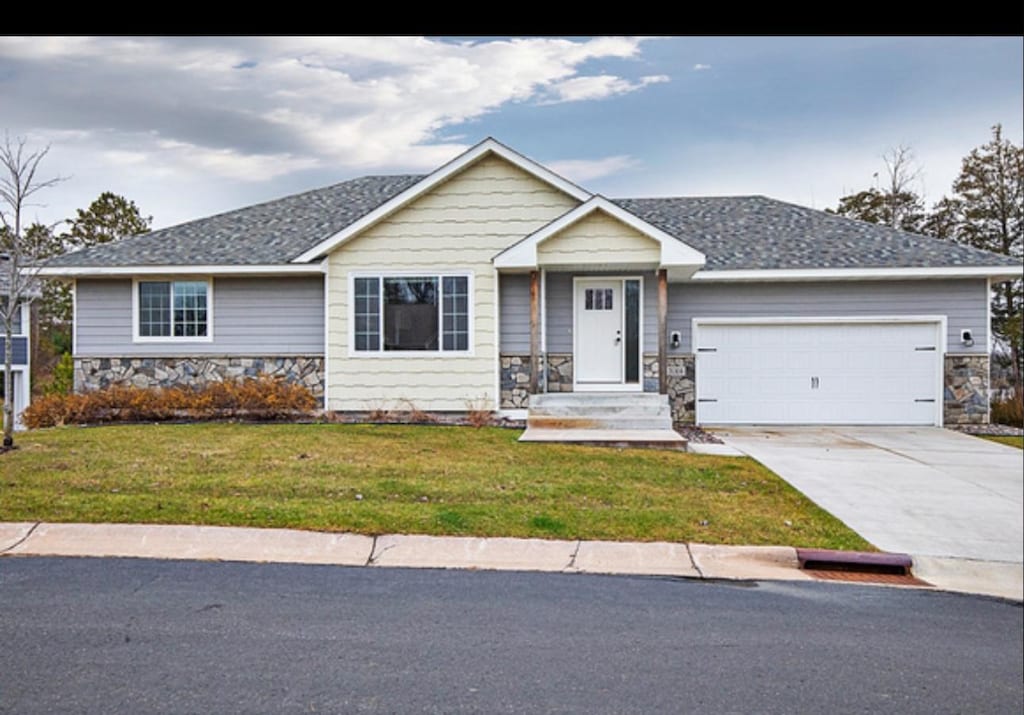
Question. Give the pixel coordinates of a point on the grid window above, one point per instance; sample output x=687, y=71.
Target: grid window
x=455, y=324
x=189, y=309
x=426, y=313
x=598, y=299
x=173, y=309
x=154, y=309
x=367, y=313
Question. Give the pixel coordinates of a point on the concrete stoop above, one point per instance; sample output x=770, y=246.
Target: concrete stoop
x=614, y=419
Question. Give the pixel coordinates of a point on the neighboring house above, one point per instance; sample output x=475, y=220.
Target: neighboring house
x=20, y=378
x=493, y=278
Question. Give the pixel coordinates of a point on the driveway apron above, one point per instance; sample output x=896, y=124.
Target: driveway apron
x=917, y=490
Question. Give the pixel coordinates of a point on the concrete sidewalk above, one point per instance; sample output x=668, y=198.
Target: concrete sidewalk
x=700, y=561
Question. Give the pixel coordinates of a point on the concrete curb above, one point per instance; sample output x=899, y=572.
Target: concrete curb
x=699, y=561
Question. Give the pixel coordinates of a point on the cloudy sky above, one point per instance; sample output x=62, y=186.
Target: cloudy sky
x=188, y=127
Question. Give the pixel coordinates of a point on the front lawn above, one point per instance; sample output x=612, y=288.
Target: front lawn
x=377, y=479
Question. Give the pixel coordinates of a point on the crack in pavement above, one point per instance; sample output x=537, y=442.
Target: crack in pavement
x=372, y=561
x=693, y=561
x=572, y=559
x=22, y=540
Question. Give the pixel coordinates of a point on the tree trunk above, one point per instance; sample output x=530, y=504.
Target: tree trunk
x=8, y=391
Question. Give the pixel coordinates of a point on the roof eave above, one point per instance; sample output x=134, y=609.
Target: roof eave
x=206, y=270
x=812, y=274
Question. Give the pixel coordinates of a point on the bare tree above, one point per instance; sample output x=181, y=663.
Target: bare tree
x=23, y=250
x=898, y=205
x=904, y=202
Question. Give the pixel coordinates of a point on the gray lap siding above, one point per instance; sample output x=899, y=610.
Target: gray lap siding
x=260, y=326
x=963, y=301
x=251, y=316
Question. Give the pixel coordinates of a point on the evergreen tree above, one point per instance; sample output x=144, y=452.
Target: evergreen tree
x=109, y=218
x=987, y=211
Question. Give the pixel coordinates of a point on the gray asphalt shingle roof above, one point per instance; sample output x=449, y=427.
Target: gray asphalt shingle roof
x=755, y=232
x=733, y=232
x=268, y=233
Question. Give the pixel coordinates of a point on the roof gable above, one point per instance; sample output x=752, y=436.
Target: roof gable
x=674, y=253
x=485, y=148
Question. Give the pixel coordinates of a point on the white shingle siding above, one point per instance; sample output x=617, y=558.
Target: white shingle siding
x=458, y=226
x=595, y=240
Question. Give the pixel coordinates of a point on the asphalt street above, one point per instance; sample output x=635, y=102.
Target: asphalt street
x=132, y=635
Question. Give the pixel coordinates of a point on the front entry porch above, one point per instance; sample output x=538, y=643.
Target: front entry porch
x=583, y=312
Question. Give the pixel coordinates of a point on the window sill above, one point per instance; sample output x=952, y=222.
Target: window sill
x=422, y=354
x=174, y=341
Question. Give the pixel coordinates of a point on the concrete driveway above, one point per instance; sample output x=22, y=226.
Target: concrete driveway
x=917, y=490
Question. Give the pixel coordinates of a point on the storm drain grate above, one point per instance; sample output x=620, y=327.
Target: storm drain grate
x=891, y=579
x=859, y=567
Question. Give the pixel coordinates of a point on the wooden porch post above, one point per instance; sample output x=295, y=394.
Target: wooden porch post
x=663, y=331
x=534, y=331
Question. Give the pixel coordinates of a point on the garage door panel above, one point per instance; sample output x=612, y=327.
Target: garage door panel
x=818, y=373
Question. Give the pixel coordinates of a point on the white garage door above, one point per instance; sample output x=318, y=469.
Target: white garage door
x=818, y=373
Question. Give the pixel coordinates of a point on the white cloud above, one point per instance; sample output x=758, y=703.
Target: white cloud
x=701, y=67
x=579, y=89
x=243, y=106
x=581, y=170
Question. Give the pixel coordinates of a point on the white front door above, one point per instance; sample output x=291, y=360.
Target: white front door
x=599, y=339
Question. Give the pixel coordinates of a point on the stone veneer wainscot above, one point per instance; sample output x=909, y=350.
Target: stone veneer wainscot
x=965, y=389
x=97, y=373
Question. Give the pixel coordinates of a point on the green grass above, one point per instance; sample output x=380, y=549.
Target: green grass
x=375, y=479
x=1017, y=442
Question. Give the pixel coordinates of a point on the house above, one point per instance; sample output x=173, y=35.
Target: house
x=21, y=383
x=493, y=278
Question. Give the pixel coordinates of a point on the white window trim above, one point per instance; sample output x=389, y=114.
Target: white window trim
x=422, y=354
x=136, y=338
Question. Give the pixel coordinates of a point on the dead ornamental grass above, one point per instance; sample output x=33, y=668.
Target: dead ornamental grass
x=253, y=398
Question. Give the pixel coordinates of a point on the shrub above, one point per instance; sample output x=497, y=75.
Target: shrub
x=263, y=398
x=63, y=381
x=1009, y=412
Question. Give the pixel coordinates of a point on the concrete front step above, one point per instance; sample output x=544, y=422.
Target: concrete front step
x=609, y=398
x=599, y=421
x=600, y=411
x=651, y=438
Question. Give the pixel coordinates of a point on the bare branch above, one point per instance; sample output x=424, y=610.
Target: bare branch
x=23, y=250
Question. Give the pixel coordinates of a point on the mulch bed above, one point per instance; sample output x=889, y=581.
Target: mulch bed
x=989, y=430
x=697, y=435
